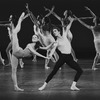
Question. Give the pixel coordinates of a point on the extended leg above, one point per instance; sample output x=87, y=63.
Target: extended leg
x=75, y=66
x=58, y=64
x=95, y=61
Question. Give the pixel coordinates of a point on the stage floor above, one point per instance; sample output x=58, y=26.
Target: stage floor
x=32, y=76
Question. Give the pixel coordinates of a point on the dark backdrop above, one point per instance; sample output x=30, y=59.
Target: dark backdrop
x=82, y=37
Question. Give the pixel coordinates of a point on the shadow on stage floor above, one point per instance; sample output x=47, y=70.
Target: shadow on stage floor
x=32, y=76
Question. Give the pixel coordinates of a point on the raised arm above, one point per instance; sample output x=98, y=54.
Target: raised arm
x=91, y=12
x=59, y=18
x=37, y=31
x=18, y=26
x=67, y=28
x=50, y=11
x=32, y=17
x=84, y=24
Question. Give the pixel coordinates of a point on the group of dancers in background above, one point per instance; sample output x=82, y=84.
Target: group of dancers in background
x=56, y=40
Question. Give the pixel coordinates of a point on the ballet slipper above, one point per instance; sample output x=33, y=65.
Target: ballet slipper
x=74, y=88
x=42, y=87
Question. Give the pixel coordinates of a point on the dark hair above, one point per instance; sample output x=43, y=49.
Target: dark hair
x=38, y=44
x=70, y=13
x=66, y=21
x=55, y=27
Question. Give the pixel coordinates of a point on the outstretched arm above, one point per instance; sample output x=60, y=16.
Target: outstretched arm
x=84, y=24
x=34, y=52
x=47, y=47
x=4, y=25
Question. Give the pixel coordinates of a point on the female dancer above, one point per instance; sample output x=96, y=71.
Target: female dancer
x=18, y=52
x=63, y=46
x=45, y=34
x=9, y=47
x=96, y=34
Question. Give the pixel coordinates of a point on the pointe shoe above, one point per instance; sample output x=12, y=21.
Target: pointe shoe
x=74, y=88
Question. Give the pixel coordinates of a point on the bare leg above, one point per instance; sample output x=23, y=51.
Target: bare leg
x=1, y=59
x=17, y=52
x=34, y=58
x=14, y=64
x=8, y=52
x=47, y=61
x=95, y=61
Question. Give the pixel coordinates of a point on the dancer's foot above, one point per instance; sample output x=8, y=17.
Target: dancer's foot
x=34, y=60
x=46, y=67
x=18, y=89
x=74, y=88
x=76, y=60
x=94, y=68
x=22, y=65
x=43, y=86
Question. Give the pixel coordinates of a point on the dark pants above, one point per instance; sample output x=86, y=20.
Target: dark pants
x=68, y=59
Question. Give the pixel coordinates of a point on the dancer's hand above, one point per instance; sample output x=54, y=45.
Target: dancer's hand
x=87, y=8
x=75, y=59
x=49, y=57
